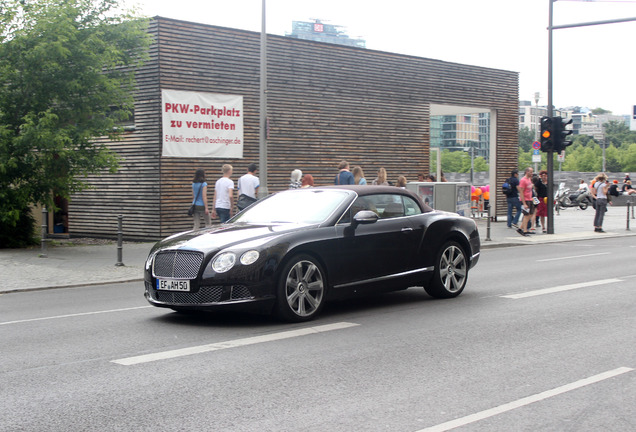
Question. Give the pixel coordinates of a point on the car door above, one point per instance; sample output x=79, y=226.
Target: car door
x=366, y=252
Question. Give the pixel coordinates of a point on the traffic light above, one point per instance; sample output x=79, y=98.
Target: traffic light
x=547, y=134
x=561, y=134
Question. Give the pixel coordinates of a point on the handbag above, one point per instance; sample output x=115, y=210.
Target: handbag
x=244, y=201
x=191, y=209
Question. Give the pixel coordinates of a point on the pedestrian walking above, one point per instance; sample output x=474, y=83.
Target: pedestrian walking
x=541, y=187
x=512, y=199
x=344, y=177
x=248, y=185
x=527, y=205
x=224, y=195
x=308, y=181
x=200, y=199
x=358, y=176
x=599, y=191
x=295, y=182
x=380, y=180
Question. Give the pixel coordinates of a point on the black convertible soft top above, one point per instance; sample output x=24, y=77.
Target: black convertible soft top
x=364, y=190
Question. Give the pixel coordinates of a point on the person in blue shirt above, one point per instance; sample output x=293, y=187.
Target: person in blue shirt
x=513, y=199
x=344, y=177
x=358, y=176
x=200, y=199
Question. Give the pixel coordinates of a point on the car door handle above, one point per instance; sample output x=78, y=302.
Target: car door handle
x=407, y=229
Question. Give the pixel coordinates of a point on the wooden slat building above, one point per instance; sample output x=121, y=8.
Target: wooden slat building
x=326, y=103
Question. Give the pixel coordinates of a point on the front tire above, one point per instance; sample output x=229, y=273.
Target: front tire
x=451, y=272
x=583, y=205
x=301, y=290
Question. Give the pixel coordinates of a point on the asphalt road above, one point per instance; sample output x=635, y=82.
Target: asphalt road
x=543, y=338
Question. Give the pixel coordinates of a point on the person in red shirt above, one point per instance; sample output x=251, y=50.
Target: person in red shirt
x=525, y=195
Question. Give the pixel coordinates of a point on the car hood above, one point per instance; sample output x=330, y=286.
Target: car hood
x=223, y=236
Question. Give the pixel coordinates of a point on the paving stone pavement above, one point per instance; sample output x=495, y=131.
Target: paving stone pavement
x=78, y=265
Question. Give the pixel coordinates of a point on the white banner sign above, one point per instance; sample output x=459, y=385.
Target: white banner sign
x=201, y=124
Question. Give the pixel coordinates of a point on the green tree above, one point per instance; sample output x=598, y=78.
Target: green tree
x=67, y=78
x=525, y=159
x=599, y=111
x=618, y=134
x=612, y=159
x=629, y=158
x=526, y=138
x=452, y=161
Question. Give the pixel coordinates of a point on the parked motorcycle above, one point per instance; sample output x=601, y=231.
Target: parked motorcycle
x=563, y=198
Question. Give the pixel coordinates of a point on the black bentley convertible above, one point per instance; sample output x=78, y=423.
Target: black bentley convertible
x=292, y=251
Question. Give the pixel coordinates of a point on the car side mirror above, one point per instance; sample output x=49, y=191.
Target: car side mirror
x=364, y=217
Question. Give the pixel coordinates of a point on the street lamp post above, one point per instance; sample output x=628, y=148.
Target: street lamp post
x=604, y=144
x=550, y=167
x=537, y=124
x=262, y=130
x=471, y=151
x=472, y=164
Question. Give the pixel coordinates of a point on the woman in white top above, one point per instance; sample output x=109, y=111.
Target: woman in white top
x=295, y=183
x=381, y=179
x=599, y=191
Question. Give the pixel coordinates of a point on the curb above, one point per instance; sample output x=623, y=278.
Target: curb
x=46, y=288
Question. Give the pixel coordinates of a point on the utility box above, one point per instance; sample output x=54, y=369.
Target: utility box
x=452, y=197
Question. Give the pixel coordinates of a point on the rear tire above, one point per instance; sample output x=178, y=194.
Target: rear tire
x=583, y=205
x=451, y=272
x=301, y=290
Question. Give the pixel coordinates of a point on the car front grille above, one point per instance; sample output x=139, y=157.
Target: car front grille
x=240, y=292
x=206, y=294
x=177, y=264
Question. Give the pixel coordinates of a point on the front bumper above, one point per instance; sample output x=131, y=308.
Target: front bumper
x=206, y=297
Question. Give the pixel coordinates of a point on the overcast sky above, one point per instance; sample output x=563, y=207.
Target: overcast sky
x=594, y=66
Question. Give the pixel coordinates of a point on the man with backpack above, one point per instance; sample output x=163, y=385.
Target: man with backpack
x=511, y=192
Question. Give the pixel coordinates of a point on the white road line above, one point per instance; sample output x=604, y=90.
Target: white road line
x=525, y=401
x=561, y=288
x=232, y=344
x=573, y=257
x=72, y=315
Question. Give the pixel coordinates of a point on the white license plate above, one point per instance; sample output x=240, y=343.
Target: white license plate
x=173, y=285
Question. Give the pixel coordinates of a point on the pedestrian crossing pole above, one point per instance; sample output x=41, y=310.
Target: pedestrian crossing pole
x=550, y=152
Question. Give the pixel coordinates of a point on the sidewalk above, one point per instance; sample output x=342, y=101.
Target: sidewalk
x=570, y=225
x=79, y=265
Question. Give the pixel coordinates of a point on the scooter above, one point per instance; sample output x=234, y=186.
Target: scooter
x=583, y=198
x=563, y=198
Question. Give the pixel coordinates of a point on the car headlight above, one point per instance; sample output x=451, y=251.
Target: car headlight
x=249, y=257
x=223, y=262
x=151, y=257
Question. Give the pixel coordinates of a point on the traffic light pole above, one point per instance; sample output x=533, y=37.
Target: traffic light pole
x=550, y=153
x=550, y=114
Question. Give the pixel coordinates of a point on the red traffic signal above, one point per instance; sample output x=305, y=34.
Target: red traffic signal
x=547, y=134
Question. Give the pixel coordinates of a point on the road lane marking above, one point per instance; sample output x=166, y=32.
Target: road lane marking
x=573, y=257
x=231, y=344
x=561, y=288
x=73, y=315
x=463, y=421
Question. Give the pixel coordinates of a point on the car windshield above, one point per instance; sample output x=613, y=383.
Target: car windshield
x=305, y=206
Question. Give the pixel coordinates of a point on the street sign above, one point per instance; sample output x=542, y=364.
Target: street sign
x=536, y=155
x=536, y=145
x=561, y=156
